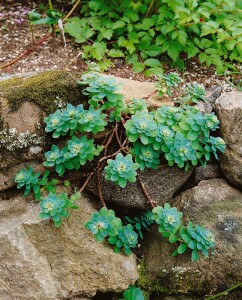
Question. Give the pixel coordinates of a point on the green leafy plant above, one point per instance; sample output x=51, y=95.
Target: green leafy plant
x=149, y=32
x=51, y=18
x=141, y=222
x=133, y=293
x=55, y=207
x=121, y=169
x=126, y=239
x=141, y=126
x=146, y=156
x=130, y=139
x=104, y=224
x=167, y=82
x=31, y=181
x=194, y=237
x=194, y=93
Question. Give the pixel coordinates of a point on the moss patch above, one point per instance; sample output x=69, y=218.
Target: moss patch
x=45, y=89
x=175, y=283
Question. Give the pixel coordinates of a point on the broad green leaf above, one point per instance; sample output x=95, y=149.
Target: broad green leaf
x=115, y=53
x=153, y=50
x=138, y=67
x=152, y=62
x=118, y=24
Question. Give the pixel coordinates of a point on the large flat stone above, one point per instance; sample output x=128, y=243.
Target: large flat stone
x=39, y=261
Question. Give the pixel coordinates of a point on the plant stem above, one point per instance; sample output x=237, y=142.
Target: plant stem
x=39, y=42
x=86, y=182
x=150, y=8
x=50, y=4
x=225, y=293
x=147, y=196
x=71, y=11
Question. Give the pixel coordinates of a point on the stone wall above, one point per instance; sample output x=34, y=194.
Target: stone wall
x=39, y=261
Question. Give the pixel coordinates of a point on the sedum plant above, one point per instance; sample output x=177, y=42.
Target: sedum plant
x=141, y=126
x=104, y=224
x=55, y=207
x=133, y=293
x=130, y=139
x=198, y=239
x=167, y=217
x=31, y=181
x=141, y=222
x=126, y=239
x=166, y=83
x=121, y=170
x=145, y=156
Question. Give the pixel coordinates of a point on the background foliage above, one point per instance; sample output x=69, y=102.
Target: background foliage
x=147, y=33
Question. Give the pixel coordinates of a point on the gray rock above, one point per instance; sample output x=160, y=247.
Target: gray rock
x=211, y=96
x=229, y=111
x=7, y=176
x=209, y=172
x=217, y=206
x=39, y=261
x=161, y=185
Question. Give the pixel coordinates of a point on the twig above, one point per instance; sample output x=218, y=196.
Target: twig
x=86, y=182
x=225, y=293
x=100, y=194
x=110, y=139
x=147, y=196
x=39, y=42
x=119, y=142
x=71, y=11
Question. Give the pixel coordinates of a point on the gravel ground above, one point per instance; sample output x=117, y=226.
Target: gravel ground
x=15, y=39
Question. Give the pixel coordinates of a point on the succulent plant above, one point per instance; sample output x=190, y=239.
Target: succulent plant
x=166, y=82
x=146, y=156
x=80, y=151
x=142, y=222
x=92, y=120
x=164, y=135
x=71, y=115
x=31, y=181
x=180, y=152
x=168, y=115
x=56, y=123
x=133, y=293
x=55, y=208
x=102, y=90
x=104, y=224
x=212, y=122
x=121, y=169
x=56, y=158
x=127, y=238
x=141, y=126
x=137, y=105
x=197, y=238
x=196, y=92
x=167, y=217
x=213, y=145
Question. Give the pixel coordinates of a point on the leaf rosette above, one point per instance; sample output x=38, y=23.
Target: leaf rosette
x=121, y=170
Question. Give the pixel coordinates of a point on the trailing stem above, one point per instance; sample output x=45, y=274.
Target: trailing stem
x=225, y=293
x=86, y=182
x=151, y=201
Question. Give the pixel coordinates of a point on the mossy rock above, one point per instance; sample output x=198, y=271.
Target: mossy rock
x=45, y=89
x=24, y=101
x=218, y=207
